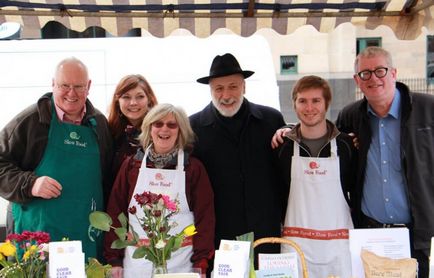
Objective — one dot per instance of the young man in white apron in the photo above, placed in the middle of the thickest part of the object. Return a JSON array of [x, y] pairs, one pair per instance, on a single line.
[[318, 163]]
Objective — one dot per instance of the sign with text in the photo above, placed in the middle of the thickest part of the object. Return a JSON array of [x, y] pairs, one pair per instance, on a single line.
[[286, 262], [393, 243], [276, 273], [66, 260], [232, 259]]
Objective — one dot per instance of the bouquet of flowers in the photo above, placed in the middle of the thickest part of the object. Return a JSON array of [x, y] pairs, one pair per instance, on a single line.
[[155, 221], [30, 252]]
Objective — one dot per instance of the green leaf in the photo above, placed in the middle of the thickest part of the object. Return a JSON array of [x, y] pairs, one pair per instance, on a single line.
[[100, 220], [95, 269], [121, 233], [119, 244], [249, 237], [252, 272], [135, 234], [140, 252], [246, 237], [151, 257], [177, 243], [169, 248], [123, 219]]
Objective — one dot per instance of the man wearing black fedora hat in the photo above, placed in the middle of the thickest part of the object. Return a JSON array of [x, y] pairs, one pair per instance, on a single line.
[[233, 142]]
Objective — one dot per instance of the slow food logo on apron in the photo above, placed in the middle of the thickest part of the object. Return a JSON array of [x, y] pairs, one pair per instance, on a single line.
[[315, 169], [159, 181], [73, 140]]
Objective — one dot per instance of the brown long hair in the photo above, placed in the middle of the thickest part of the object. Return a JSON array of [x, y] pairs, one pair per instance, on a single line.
[[116, 120]]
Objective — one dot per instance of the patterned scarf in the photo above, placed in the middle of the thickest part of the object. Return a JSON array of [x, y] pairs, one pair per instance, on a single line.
[[161, 160]]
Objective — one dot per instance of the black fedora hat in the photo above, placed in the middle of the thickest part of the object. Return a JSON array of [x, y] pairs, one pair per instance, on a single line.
[[222, 66]]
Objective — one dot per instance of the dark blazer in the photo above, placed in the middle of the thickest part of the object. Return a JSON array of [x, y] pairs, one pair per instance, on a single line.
[[242, 169], [417, 157]]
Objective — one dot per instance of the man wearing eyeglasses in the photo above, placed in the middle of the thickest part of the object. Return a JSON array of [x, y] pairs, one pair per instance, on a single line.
[[55, 158], [395, 131]]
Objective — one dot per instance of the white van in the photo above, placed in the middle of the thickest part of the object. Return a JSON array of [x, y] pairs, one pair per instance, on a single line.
[[171, 65]]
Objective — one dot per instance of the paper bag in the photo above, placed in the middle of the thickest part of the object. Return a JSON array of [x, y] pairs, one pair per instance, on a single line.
[[377, 266]]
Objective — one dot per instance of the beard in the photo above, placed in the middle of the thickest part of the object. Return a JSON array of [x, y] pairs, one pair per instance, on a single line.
[[228, 112]]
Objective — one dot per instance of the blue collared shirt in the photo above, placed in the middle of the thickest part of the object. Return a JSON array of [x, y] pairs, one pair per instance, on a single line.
[[384, 191]]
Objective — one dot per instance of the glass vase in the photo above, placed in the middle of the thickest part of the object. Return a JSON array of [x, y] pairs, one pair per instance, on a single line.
[[159, 268]]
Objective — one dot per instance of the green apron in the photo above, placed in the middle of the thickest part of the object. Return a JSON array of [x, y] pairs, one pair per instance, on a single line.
[[72, 158]]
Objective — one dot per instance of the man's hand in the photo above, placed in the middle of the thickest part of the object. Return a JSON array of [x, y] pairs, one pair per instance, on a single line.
[[355, 140], [46, 187], [278, 137]]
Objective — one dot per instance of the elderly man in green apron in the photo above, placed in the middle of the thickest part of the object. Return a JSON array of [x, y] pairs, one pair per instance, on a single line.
[[55, 158]]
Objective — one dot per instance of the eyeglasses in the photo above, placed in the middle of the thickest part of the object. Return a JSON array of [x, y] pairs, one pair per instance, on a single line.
[[365, 75], [160, 124], [77, 88]]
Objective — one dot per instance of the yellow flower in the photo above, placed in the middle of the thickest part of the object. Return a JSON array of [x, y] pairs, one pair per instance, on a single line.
[[26, 255], [190, 230], [32, 250], [8, 249]]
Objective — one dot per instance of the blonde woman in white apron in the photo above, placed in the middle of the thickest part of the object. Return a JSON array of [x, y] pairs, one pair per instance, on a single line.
[[318, 215], [164, 168]]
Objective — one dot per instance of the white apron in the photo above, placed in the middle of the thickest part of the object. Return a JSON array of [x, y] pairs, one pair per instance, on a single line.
[[171, 183], [318, 217]]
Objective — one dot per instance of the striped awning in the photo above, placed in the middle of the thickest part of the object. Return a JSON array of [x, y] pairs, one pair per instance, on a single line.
[[203, 17]]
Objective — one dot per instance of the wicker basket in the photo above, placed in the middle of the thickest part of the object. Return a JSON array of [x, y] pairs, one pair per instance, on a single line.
[[288, 242]]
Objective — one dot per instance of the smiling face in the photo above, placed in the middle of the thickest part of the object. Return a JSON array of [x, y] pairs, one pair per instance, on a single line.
[[164, 133], [227, 93], [71, 88], [376, 90], [134, 105], [310, 107]]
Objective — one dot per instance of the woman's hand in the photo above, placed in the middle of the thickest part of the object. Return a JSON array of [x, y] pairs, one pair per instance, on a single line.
[[117, 272]]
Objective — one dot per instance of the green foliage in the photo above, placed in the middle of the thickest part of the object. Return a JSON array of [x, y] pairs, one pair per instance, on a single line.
[[100, 220], [123, 219], [95, 269], [28, 256], [119, 244], [121, 233], [155, 215], [250, 237], [140, 252]]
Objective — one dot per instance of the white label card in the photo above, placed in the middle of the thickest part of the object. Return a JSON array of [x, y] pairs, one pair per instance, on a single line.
[[393, 243], [232, 259], [66, 260]]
